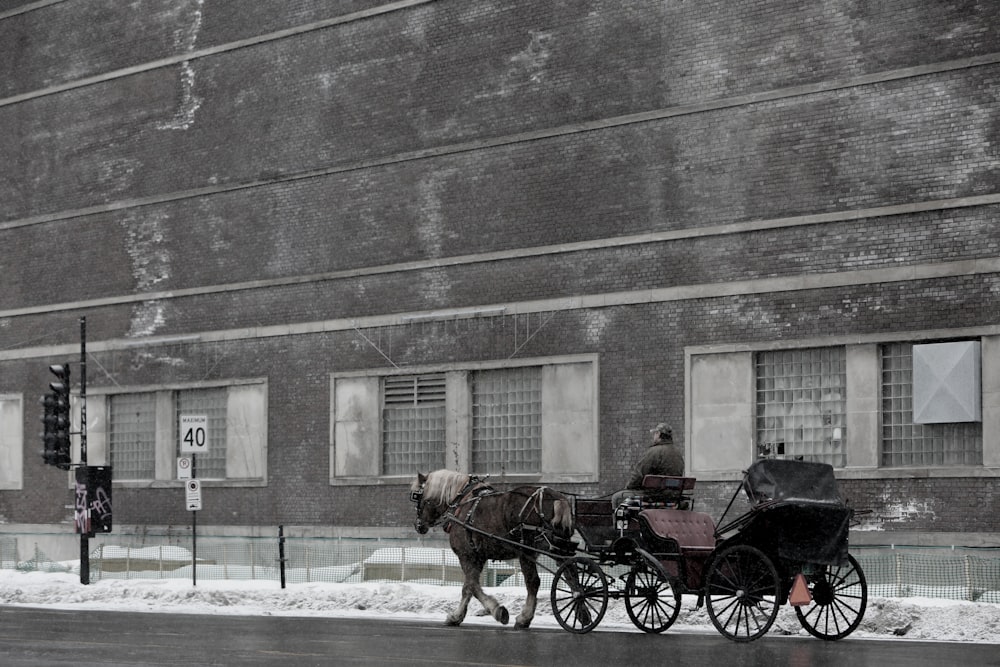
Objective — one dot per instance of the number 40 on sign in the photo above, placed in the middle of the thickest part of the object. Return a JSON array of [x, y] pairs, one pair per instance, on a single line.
[[194, 434]]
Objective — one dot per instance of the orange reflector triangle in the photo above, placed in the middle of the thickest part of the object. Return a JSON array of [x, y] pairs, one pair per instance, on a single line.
[[799, 594]]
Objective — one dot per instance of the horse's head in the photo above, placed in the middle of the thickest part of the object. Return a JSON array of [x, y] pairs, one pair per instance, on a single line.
[[432, 493], [427, 512]]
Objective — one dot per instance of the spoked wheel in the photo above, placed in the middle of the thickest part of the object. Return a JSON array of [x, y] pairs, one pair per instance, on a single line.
[[741, 593], [579, 595], [651, 602], [839, 599]]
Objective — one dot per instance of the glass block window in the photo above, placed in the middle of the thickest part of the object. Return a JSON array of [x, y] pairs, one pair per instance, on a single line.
[[907, 444], [132, 436], [801, 404], [413, 413], [211, 402], [507, 420]]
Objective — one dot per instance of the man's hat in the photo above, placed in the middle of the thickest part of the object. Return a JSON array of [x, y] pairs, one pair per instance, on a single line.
[[662, 428]]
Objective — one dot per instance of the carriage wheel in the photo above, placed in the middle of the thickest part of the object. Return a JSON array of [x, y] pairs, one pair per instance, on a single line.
[[651, 602], [839, 598], [579, 594], [741, 593]]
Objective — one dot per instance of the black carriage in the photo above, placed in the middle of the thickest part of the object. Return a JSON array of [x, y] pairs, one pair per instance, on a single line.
[[790, 547]]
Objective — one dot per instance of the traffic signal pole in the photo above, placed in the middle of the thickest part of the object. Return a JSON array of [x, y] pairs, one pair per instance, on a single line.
[[84, 534]]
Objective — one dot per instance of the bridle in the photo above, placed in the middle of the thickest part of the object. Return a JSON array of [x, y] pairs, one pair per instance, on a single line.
[[417, 498]]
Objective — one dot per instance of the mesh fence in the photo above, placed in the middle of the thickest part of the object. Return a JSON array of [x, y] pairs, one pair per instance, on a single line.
[[955, 573], [960, 573]]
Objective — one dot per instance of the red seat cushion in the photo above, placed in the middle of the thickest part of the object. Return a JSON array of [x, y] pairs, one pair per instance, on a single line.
[[691, 530]]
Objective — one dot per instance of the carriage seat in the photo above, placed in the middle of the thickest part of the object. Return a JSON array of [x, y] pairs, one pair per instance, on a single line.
[[693, 531], [689, 536]]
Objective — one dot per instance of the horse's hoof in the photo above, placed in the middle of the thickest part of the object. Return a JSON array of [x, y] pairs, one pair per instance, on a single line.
[[522, 625], [500, 614], [452, 621]]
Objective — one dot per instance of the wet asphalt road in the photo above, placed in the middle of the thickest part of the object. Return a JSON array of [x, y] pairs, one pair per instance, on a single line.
[[35, 637]]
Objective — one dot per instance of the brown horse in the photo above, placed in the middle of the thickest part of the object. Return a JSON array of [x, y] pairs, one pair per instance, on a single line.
[[474, 515]]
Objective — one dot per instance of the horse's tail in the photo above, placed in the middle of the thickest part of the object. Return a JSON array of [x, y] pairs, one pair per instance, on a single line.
[[562, 517]]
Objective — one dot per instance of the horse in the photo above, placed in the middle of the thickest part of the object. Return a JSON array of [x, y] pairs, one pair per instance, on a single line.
[[474, 515]]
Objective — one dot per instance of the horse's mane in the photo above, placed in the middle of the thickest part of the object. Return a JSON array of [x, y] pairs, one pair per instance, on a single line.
[[443, 485]]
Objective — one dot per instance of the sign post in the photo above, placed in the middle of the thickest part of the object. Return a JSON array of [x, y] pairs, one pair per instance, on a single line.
[[193, 439]]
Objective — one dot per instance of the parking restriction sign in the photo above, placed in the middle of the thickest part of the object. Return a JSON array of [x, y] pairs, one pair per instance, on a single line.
[[193, 495]]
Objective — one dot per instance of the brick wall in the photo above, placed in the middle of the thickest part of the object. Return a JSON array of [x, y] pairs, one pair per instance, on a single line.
[[477, 140]]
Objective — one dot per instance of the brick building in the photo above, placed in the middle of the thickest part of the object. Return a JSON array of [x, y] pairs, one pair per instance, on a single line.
[[370, 237]]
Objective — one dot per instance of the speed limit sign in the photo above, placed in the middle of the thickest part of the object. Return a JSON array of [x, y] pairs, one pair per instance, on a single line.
[[194, 434]]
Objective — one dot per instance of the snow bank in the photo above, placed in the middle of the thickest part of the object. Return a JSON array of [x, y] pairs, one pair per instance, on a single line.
[[910, 618]]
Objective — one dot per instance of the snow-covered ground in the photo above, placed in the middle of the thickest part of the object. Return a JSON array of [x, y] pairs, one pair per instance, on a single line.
[[910, 618]]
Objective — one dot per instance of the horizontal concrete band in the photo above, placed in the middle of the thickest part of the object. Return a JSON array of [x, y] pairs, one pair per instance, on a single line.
[[582, 302], [520, 253], [196, 54]]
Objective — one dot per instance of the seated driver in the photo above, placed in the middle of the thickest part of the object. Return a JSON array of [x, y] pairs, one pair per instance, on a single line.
[[662, 458]]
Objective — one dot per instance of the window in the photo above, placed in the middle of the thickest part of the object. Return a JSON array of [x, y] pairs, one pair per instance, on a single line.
[[413, 423], [507, 420], [132, 435], [211, 403], [905, 443], [138, 435], [801, 404], [11, 442], [535, 419]]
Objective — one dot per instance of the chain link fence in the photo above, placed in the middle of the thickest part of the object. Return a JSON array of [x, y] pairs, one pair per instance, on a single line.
[[959, 573]]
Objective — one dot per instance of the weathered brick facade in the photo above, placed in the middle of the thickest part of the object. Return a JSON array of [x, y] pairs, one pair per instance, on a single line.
[[234, 170]]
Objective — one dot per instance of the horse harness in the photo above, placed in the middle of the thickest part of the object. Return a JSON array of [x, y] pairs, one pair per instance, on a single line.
[[468, 499]]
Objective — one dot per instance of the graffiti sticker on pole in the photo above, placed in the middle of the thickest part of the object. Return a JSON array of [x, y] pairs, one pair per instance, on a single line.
[[194, 434]]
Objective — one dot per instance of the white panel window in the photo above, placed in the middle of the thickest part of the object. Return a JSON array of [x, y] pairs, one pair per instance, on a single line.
[[946, 383], [722, 411], [11, 442]]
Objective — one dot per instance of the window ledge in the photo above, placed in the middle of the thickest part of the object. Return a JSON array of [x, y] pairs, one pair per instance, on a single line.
[[534, 478], [871, 473], [179, 484]]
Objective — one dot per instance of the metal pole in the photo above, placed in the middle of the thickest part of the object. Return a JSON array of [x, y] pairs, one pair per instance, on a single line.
[[84, 534], [194, 527], [281, 553]]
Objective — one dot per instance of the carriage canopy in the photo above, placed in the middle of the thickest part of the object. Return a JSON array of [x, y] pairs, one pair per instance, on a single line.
[[792, 481], [798, 512]]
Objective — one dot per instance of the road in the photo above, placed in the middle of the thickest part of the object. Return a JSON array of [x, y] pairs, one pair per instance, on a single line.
[[32, 637]]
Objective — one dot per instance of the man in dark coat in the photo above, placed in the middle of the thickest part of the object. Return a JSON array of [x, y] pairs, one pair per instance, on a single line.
[[662, 458]]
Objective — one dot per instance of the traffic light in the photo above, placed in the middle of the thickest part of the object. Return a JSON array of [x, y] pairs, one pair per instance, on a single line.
[[55, 417]]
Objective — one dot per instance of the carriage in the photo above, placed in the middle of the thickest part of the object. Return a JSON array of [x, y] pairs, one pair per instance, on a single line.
[[789, 547]]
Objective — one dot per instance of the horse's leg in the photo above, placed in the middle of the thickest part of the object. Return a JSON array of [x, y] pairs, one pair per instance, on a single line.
[[490, 603], [529, 568], [472, 567], [471, 572]]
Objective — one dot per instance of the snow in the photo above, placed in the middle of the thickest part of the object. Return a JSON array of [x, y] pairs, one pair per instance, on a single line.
[[910, 618]]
